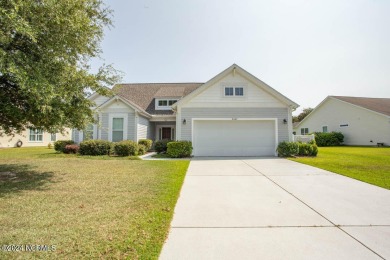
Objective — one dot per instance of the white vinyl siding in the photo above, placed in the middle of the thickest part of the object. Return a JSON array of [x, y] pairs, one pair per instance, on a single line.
[[100, 100], [104, 126], [117, 109], [361, 122], [253, 96], [143, 128]]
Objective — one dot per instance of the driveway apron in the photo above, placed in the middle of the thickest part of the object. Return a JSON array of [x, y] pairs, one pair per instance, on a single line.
[[271, 208]]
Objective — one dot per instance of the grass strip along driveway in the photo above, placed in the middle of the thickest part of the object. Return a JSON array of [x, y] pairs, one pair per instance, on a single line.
[[101, 207], [368, 164]]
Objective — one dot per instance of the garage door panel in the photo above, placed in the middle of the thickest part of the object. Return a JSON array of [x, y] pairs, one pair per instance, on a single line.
[[234, 138]]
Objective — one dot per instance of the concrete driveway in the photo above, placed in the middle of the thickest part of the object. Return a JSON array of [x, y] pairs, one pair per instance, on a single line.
[[271, 208]]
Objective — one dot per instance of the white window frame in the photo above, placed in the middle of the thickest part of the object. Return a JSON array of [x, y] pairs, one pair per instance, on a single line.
[[35, 134], [167, 107], [234, 91], [125, 124], [304, 132], [51, 137], [93, 133], [326, 129]]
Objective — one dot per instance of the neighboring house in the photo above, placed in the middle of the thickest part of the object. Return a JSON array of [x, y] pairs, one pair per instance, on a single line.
[[363, 121], [233, 114], [32, 137]]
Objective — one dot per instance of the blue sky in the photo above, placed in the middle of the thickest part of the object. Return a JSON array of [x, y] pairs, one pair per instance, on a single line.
[[306, 50]]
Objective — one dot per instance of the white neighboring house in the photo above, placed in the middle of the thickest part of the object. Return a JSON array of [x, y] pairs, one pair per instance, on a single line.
[[233, 114], [33, 137], [362, 120]]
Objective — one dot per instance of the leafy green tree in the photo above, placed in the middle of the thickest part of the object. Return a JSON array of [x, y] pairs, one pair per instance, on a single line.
[[302, 115], [45, 50]]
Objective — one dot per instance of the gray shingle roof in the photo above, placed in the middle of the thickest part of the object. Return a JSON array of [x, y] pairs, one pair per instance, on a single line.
[[144, 94], [380, 105]]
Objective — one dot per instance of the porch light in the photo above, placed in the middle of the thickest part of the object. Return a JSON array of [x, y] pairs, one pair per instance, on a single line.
[[184, 121], [285, 121]]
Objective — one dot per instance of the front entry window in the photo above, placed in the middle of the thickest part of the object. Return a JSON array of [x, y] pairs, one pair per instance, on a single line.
[[117, 129]]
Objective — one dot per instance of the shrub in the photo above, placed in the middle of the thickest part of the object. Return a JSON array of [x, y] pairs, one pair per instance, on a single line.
[[179, 149], [142, 149], [147, 143], [287, 149], [59, 145], [71, 148], [315, 150], [49, 146], [307, 149], [95, 147], [329, 139], [161, 145], [126, 148]]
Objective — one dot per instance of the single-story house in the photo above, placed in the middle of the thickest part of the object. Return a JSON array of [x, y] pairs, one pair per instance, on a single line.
[[362, 120], [32, 137], [232, 114]]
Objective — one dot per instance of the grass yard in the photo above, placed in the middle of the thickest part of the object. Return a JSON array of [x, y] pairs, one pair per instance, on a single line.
[[87, 207], [368, 164]]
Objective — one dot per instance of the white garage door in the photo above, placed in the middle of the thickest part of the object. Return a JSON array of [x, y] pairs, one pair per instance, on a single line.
[[234, 138]]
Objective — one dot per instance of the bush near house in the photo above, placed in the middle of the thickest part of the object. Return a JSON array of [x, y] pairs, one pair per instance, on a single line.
[[142, 149], [146, 142], [161, 145], [329, 139], [287, 149], [179, 149], [95, 147], [59, 145], [71, 149], [290, 149], [307, 149], [125, 148]]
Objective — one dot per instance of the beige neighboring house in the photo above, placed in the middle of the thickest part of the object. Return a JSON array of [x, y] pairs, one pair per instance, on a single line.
[[362, 120], [33, 137]]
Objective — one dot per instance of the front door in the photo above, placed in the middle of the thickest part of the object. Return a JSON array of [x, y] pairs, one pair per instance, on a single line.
[[166, 133]]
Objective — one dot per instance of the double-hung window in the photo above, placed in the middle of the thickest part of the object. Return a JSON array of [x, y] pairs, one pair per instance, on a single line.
[[234, 91], [117, 129], [36, 135], [88, 132], [229, 91], [165, 104], [239, 91], [53, 137], [304, 131], [325, 129]]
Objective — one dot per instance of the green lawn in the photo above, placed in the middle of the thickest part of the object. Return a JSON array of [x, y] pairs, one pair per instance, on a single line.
[[368, 164], [87, 207]]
